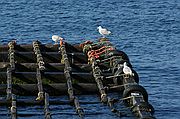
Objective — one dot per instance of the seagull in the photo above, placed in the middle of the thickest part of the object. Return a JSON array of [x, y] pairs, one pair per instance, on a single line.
[[103, 31], [56, 38], [126, 69]]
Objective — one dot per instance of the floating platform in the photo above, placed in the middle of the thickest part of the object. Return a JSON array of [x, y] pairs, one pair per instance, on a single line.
[[45, 70]]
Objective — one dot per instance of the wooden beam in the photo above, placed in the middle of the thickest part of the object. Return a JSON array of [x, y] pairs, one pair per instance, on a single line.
[[51, 89], [49, 57], [44, 47]]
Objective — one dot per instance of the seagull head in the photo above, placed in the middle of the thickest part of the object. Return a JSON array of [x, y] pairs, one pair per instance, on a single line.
[[99, 27], [55, 38], [125, 63]]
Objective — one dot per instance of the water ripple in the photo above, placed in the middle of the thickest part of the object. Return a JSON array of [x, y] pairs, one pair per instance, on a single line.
[[148, 31]]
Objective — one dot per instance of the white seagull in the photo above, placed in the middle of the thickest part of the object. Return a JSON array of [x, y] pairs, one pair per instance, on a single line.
[[56, 38], [103, 31], [126, 69]]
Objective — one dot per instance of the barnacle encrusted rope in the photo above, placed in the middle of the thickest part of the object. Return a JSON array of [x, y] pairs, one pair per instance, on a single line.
[[11, 54], [10, 68], [13, 108], [46, 106], [67, 73], [98, 78], [40, 67]]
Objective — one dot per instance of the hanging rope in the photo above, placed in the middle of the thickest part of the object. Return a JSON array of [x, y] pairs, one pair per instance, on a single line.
[[98, 78], [40, 86], [67, 73], [40, 68], [11, 54], [38, 54], [13, 107], [46, 107], [9, 84]]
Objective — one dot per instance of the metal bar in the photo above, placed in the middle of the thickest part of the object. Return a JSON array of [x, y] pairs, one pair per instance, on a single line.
[[67, 73]]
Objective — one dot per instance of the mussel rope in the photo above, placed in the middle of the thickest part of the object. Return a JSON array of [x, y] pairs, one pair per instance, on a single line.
[[40, 67], [10, 69], [41, 95], [13, 108], [9, 84], [46, 106], [67, 73], [11, 54], [104, 98], [98, 78]]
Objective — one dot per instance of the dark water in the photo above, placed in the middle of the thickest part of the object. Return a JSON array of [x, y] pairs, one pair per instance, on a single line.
[[147, 30]]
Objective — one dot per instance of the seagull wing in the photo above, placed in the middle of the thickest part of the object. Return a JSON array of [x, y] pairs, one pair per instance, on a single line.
[[105, 31], [55, 38], [127, 70]]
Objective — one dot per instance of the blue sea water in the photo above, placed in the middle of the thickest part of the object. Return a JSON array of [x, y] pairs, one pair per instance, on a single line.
[[147, 30]]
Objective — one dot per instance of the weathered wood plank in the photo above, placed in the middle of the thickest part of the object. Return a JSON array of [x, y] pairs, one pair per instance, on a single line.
[[55, 89], [53, 67], [52, 89], [58, 77], [49, 57], [44, 47]]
